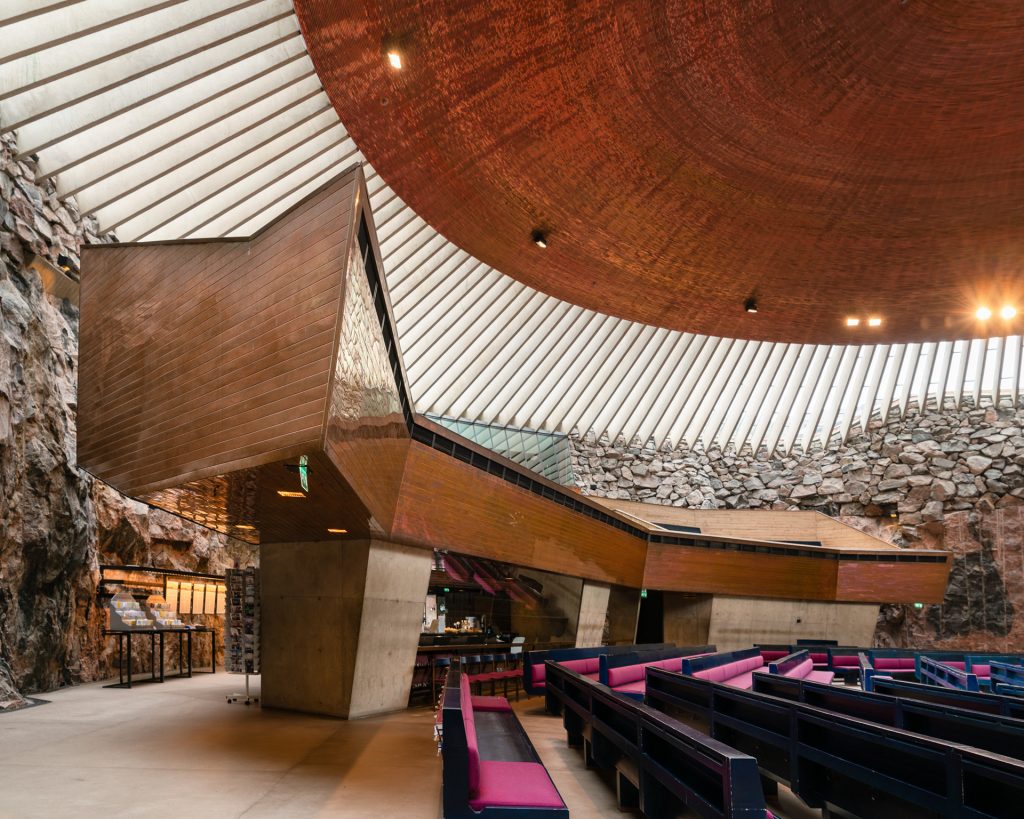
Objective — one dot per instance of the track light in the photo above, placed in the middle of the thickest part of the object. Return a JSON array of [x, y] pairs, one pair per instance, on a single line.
[[750, 305], [540, 238], [983, 313]]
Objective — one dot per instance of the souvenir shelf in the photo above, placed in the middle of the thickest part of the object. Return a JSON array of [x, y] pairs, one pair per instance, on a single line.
[[125, 613]]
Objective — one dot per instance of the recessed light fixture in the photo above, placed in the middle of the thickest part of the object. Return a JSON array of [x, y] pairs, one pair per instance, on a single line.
[[1008, 311], [395, 58], [874, 321], [285, 493], [983, 313], [853, 322], [540, 238], [245, 526], [338, 531], [750, 305]]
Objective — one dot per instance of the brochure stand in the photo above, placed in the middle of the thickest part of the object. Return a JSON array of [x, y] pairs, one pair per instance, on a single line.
[[242, 630]]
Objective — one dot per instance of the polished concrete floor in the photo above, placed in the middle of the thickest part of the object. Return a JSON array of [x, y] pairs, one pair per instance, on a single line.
[[178, 749]]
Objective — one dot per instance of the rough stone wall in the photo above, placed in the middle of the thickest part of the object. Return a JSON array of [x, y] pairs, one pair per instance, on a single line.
[[57, 524], [945, 480]]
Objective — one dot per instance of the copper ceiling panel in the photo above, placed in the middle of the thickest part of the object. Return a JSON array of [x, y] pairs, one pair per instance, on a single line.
[[831, 159]]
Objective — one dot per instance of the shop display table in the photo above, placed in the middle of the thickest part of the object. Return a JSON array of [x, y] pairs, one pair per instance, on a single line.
[[156, 667]]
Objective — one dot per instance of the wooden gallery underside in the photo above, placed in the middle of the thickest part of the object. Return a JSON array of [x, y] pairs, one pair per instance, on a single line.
[[217, 375]]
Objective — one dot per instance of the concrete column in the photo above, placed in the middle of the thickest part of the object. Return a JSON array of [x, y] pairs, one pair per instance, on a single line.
[[341, 623], [623, 610], [593, 613], [739, 622]]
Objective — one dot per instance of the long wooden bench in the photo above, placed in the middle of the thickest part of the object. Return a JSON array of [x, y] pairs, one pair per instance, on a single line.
[[842, 763], [733, 668], [946, 676], [626, 673], [990, 732], [491, 769], [583, 660], [1006, 678], [661, 766], [979, 701], [799, 665]]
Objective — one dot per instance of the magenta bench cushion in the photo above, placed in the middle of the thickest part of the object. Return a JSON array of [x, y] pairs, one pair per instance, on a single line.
[[894, 663], [825, 677], [845, 661], [588, 667], [738, 673], [629, 675], [502, 784], [490, 704], [981, 669], [514, 784], [770, 655]]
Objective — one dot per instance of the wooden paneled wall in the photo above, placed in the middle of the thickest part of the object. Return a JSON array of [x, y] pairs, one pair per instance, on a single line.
[[201, 358]]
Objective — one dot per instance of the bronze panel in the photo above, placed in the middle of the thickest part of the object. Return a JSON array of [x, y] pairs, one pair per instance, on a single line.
[[203, 358]]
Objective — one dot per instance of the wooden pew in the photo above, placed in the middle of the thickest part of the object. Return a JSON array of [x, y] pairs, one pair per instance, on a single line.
[[1007, 678], [491, 770], [661, 765], [946, 676], [972, 700], [842, 763], [989, 732]]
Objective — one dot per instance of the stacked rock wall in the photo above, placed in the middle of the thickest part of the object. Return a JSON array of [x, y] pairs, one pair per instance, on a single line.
[[950, 479], [57, 524]]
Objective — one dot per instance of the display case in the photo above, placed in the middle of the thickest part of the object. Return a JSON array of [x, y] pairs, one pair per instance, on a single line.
[[125, 613], [162, 613]]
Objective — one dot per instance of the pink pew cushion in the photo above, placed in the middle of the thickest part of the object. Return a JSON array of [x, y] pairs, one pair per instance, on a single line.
[[744, 680], [587, 665], [894, 664], [770, 655], [727, 672], [469, 725], [825, 677], [638, 687], [845, 661], [801, 670], [819, 657], [505, 784], [490, 704], [538, 673], [960, 664], [981, 669]]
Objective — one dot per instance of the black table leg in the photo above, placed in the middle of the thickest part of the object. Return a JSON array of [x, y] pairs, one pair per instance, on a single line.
[[181, 654], [190, 654], [120, 659], [161, 656], [129, 638], [213, 657], [152, 655]]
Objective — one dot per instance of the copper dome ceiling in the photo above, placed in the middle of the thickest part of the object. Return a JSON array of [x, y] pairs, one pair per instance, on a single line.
[[830, 159]]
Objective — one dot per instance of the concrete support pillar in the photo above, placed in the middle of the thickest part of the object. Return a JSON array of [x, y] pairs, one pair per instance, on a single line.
[[623, 611], [738, 622], [341, 622], [593, 613]]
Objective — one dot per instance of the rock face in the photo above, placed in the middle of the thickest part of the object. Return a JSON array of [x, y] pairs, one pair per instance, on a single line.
[[57, 524], [950, 479]]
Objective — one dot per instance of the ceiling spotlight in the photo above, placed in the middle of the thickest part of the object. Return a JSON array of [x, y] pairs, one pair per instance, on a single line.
[[983, 313], [1008, 312], [540, 238], [245, 526], [338, 531], [284, 493], [853, 322], [395, 58], [750, 305], [874, 322]]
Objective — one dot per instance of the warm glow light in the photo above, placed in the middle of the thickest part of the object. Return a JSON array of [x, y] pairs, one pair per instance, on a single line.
[[874, 322], [1008, 312], [395, 59], [853, 322], [244, 526], [540, 238], [983, 313], [284, 493], [338, 531]]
